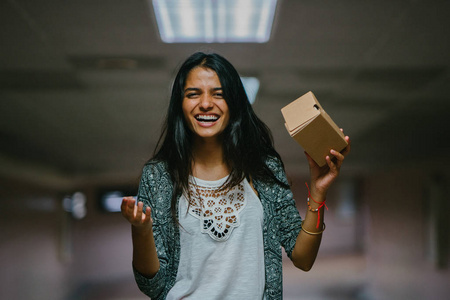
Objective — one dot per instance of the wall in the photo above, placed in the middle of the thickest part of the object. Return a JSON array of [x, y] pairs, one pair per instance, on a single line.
[[399, 250], [45, 254]]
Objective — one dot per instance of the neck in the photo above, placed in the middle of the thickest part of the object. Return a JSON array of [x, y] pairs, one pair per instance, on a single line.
[[209, 162]]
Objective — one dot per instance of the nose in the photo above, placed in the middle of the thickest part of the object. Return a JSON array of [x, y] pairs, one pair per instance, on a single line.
[[206, 102]]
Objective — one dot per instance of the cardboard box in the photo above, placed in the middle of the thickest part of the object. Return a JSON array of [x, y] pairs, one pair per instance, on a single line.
[[309, 124]]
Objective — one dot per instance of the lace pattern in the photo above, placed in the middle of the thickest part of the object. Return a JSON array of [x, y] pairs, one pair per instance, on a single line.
[[218, 210]]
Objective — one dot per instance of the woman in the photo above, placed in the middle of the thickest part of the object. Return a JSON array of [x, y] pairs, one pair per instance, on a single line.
[[214, 207]]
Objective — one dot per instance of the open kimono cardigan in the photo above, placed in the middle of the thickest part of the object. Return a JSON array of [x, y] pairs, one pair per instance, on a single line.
[[282, 224]]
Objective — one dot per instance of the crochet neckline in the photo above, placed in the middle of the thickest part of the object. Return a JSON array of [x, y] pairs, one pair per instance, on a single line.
[[207, 183], [218, 210]]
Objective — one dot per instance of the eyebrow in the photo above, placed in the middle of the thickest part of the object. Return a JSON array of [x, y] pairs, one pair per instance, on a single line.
[[198, 89]]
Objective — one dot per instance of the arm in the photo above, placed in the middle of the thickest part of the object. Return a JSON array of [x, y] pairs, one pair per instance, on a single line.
[[307, 244], [145, 258], [150, 234]]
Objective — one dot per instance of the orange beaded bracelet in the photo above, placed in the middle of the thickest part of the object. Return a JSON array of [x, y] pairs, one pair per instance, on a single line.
[[322, 204]]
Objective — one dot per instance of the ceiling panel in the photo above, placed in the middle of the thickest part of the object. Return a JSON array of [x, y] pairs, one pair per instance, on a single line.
[[84, 84]]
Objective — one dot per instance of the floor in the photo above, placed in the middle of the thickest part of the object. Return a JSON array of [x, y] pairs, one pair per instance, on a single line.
[[333, 277]]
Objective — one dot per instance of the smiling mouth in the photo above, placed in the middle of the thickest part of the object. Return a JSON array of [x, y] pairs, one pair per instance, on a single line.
[[207, 118]]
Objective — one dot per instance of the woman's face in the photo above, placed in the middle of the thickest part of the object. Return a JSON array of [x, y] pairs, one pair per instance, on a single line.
[[204, 108]]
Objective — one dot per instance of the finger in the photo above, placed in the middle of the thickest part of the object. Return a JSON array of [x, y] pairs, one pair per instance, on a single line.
[[339, 156], [330, 163], [148, 216], [138, 211], [123, 206], [332, 169], [347, 149], [311, 161], [127, 206]]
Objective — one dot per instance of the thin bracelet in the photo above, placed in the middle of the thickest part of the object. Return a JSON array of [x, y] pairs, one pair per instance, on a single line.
[[310, 208], [322, 204], [314, 233]]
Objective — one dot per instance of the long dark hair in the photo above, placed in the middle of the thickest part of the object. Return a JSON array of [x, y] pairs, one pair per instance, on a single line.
[[247, 141]]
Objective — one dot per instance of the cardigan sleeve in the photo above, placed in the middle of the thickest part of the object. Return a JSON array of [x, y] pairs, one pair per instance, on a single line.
[[289, 218], [153, 192]]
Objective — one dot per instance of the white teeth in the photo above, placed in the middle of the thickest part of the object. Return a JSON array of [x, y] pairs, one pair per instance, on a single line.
[[207, 118]]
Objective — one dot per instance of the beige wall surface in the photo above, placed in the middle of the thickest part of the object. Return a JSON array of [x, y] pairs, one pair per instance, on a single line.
[[383, 248]]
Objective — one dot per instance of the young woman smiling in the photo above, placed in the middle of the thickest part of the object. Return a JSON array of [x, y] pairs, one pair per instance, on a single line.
[[214, 207]]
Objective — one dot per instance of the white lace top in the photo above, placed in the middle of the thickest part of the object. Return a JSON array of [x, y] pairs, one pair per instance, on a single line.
[[221, 240]]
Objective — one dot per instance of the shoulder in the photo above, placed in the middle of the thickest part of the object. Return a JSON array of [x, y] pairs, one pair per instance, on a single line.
[[156, 185], [274, 163], [155, 168], [276, 166], [269, 185], [155, 174]]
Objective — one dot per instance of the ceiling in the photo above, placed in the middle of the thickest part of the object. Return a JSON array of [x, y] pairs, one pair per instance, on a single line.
[[84, 84]]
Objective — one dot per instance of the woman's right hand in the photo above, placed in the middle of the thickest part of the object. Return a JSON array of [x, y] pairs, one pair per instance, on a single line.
[[135, 215], [145, 257]]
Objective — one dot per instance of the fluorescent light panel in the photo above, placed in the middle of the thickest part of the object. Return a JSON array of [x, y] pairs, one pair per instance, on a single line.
[[251, 86], [214, 21], [111, 201]]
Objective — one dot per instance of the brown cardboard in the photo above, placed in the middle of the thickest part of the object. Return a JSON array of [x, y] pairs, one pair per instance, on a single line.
[[309, 124]]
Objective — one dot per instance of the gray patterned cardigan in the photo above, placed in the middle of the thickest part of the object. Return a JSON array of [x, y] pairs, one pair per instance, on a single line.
[[282, 223]]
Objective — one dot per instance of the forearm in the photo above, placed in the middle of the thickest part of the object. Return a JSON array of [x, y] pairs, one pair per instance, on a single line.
[[308, 240], [145, 258]]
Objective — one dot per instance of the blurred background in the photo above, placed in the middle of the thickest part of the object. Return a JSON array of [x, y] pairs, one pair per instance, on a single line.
[[84, 86]]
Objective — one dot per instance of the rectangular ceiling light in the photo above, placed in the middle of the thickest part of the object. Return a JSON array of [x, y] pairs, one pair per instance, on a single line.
[[214, 21], [251, 86]]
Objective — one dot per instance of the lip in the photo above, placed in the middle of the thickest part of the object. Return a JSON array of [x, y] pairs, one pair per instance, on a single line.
[[206, 123]]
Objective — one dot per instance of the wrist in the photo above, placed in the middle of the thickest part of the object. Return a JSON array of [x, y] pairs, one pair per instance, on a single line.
[[317, 197], [315, 205], [141, 230], [315, 194]]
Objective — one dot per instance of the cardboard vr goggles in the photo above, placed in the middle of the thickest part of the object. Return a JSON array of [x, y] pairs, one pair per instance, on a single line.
[[309, 124]]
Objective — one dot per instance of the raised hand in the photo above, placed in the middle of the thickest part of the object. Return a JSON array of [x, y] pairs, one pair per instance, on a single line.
[[135, 214], [323, 177], [145, 257]]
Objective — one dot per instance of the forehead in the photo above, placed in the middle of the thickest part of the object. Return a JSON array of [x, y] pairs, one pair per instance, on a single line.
[[202, 76]]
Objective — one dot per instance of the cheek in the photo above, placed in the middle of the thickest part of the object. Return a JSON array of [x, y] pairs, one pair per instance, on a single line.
[[226, 112], [186, 109], [227, 120], [186, 114]]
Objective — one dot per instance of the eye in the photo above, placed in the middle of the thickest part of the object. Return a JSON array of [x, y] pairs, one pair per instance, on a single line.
[[191, 95]]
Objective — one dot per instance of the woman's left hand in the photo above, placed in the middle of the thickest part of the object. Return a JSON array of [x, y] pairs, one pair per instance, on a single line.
[[323, 177]]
